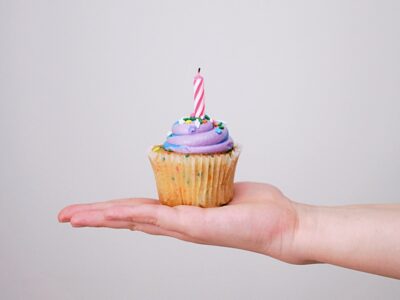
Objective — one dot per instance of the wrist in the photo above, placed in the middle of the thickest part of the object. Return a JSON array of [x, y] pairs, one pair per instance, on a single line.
[[304, 236]]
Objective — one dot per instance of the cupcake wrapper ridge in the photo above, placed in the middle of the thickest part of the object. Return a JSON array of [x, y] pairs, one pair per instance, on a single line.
[[204, 180]]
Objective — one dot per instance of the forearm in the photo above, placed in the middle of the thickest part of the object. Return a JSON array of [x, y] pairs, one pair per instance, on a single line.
[[360, 237]]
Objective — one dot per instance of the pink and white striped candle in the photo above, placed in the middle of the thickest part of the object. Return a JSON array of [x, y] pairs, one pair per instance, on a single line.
[[199, 104]]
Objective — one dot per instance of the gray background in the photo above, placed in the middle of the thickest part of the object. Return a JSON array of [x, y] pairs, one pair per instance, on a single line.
[[309, 88]]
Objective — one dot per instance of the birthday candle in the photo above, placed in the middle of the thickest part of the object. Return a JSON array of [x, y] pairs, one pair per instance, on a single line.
[[199, 104]]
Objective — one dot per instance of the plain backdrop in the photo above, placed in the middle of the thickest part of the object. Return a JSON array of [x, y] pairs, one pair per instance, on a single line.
[[310, 89]]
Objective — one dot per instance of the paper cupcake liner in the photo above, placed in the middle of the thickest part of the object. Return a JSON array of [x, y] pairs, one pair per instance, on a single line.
[[204, 180]]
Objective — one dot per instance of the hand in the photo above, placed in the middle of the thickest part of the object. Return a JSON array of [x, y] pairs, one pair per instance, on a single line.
[[259, 218]]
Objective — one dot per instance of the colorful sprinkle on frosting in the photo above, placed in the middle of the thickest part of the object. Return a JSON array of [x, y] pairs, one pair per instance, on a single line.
[[198, 135]]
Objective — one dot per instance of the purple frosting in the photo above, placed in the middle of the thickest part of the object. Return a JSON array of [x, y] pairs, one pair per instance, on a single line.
[[203, 138]]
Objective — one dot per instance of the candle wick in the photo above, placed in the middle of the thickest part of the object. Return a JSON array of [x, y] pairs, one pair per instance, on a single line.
[[198, 71]]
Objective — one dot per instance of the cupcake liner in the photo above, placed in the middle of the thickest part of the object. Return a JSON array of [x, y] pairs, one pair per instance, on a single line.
[[204, 180]]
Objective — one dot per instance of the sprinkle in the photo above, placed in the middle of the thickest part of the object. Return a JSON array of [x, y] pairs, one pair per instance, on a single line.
[[218, 130], [197, 123], [207, 117], [169, 133], [221, 126], [156, 148], [192, 118], [204, 121], [192, 129], [188, 121]]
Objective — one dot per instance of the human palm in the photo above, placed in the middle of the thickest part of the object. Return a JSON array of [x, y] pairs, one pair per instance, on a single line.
[[259, 218]]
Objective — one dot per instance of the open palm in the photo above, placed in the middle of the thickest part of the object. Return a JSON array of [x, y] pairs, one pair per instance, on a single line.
[[259, 218]]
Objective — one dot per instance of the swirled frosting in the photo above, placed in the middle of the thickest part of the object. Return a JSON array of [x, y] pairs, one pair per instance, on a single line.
[[198, 135]]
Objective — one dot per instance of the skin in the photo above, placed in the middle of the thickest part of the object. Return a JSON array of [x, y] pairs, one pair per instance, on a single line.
[[261, 219]]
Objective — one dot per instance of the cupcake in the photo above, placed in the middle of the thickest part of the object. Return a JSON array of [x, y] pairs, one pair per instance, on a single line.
[[196, 164]]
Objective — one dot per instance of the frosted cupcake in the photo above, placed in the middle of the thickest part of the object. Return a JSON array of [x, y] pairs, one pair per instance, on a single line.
[[196, 164]]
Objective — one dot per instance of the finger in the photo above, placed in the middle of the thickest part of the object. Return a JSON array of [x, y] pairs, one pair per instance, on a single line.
[[151, 219], [156, 230], [66, 213], [145, 214], [189, 221], [96, 219]]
